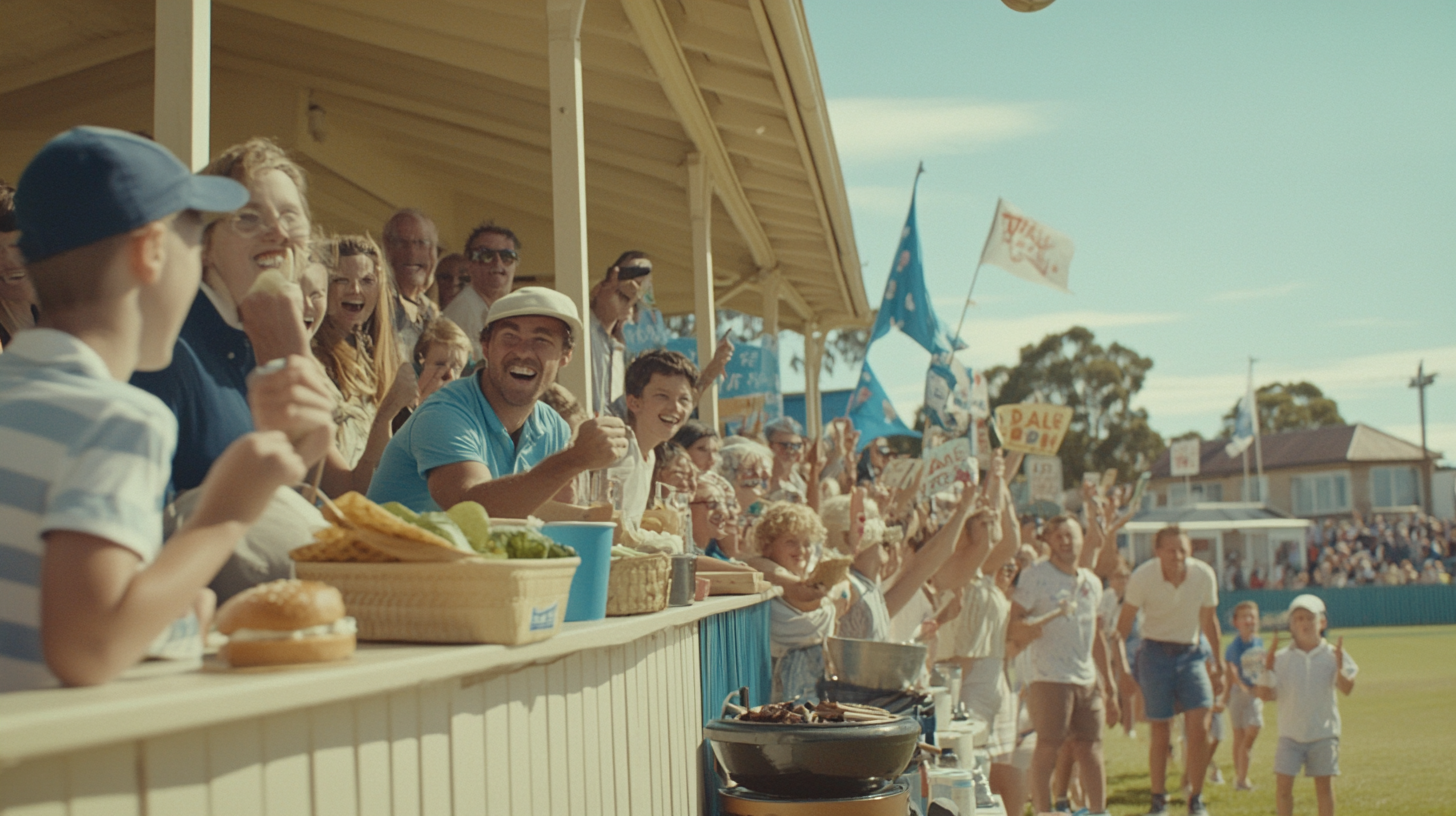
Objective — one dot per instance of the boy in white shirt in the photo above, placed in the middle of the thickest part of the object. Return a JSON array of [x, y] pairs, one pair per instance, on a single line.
[[1303, 678]]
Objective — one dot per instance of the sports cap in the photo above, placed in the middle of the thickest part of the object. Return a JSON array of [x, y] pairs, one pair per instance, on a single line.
[[536, 301], [1311, 603], [91, 183]]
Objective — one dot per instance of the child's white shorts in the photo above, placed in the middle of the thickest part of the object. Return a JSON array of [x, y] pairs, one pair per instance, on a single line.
[[1318, 758]]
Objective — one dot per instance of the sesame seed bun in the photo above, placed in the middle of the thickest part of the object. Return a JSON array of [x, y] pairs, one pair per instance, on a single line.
[[281, 606], [285, 606]]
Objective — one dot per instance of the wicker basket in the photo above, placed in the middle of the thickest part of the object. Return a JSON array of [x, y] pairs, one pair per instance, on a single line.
[[485, 601], [639, 585]]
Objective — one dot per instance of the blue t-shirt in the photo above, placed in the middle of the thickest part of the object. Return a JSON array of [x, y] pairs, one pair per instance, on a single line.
[[207, 390], [457, 424], [1234, 656]]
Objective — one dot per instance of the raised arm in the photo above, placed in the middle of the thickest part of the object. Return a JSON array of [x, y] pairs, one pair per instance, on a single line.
[[931, 557], [599, 442]]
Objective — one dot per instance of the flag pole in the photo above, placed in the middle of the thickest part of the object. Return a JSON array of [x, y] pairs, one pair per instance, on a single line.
[[1258, 448], [976, 274]]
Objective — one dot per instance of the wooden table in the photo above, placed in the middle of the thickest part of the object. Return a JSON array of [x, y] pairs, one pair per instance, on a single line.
[[606, 717]]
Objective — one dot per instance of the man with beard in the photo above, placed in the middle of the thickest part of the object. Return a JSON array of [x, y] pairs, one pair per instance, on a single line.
[[411, 246], [488, 438]]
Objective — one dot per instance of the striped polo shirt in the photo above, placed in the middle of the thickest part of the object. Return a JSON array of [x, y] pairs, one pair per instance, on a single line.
[[78, 451]]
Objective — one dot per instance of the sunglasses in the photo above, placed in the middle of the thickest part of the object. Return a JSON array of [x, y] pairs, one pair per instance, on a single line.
[[752, 483], [791, 447], [482, 256]]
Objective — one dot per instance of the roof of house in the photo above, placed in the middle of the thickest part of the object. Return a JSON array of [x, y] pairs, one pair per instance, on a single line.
[[1294, 449]]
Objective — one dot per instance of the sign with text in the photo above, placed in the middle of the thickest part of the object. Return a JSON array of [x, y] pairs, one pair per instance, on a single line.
[[900, 473], [983, 443], [754, 370], [945, 464], [1044, 478], [1033, 427], [1183, 457]]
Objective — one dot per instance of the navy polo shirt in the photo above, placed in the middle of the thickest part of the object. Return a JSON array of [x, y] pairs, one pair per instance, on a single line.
[[206, 388]]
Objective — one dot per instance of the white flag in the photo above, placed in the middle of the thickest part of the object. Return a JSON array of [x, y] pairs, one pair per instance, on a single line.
[[1028, 249], [1243, 427]]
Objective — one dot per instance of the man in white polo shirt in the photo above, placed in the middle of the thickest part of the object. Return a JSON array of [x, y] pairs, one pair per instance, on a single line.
[[1054, 609], [1178, 596]]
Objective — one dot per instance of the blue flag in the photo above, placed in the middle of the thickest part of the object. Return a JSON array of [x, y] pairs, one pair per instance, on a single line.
[[873, 414], [906, 304]]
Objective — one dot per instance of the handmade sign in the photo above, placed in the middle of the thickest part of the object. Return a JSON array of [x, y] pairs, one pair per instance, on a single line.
[[1033, 427], [1044, 478], [946, 464], [900, 473]]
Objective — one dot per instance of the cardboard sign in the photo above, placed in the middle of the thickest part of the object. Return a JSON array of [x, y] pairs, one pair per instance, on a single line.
[[1033, 427], [1183, 456], [944, 464], [1044, 478], [900, 473]]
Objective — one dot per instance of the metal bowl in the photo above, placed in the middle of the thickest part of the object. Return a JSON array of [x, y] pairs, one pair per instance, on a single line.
[[873, 665], [818, 761]]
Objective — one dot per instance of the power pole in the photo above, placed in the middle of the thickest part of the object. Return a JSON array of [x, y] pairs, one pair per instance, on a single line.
[[1422, 379]]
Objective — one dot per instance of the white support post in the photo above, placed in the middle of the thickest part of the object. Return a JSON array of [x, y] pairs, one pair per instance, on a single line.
[[1218, 567], [770, 281], [700, 210], [568, 181], [182, 79], [813, 361]]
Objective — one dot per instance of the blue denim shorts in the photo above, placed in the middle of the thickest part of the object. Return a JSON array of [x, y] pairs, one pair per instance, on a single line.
[[1172, 678]]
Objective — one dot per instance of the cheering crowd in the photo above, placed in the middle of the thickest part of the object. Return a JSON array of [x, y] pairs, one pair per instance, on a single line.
[[182, 353]]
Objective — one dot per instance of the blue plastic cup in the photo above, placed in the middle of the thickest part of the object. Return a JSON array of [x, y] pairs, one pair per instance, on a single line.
[[592, 540]]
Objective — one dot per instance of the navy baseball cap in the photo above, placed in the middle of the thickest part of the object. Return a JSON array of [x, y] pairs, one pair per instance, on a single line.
[[91, 183]]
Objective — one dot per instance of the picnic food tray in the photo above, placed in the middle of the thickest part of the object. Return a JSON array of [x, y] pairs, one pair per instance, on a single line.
[[504, 601]]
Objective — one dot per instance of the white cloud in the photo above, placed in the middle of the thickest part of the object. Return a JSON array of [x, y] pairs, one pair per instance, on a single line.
[[1262, 293], [998, 341], [1200, 400], [868, 128]]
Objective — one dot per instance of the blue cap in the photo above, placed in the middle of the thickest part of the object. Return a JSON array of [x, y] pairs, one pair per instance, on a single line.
[[91, 183]]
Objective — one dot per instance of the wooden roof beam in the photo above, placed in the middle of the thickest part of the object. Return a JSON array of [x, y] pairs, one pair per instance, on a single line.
[[70, 60], [663, 50]]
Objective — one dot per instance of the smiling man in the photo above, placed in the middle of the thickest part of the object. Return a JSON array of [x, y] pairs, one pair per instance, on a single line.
[[488, 438], [411, 243], [494, 254]]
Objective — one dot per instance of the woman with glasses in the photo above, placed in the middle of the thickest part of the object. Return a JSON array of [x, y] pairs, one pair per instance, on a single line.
[[232, 328], [359, 349], [786, 439], [747, 466]]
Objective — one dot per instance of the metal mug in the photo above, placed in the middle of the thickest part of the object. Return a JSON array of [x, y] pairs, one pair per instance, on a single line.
[[684, 580]]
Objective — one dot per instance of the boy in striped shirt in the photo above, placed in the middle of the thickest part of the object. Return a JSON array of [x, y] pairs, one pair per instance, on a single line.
[[111, 227]]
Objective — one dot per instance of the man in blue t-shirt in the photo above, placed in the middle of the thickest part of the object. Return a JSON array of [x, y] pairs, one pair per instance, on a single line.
[[488, 438]]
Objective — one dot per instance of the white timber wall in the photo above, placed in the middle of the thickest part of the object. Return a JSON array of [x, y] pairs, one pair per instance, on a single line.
[[607, 730]]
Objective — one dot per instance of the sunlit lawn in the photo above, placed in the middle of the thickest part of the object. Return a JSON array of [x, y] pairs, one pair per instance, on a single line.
[[1396, 753]]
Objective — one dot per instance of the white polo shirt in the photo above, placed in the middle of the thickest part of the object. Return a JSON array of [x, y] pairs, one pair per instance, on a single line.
[[1171, 614], [1304, 684]]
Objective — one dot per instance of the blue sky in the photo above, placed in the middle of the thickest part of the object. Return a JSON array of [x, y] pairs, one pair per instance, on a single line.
[[1266, 179]]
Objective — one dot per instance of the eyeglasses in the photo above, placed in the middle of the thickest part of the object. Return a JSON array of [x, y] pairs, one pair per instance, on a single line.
[[249, 223], [791, 447], [752, 483], [482, 256]]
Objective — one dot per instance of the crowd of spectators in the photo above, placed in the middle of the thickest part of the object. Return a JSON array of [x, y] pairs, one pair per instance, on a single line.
[[1386, 550]]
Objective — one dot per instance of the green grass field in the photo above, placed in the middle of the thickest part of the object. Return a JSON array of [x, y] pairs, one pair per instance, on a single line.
[[1396, 750]]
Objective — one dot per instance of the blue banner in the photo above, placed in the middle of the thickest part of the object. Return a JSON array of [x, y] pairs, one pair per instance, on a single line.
[[906, 303], [873, 414]]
